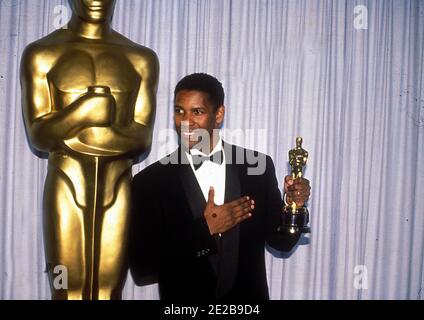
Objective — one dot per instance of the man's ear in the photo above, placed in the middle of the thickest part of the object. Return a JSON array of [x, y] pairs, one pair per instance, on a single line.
[[219, 116]]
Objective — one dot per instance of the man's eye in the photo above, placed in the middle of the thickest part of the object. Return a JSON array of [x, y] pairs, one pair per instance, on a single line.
[[197, 112], [179, 111]]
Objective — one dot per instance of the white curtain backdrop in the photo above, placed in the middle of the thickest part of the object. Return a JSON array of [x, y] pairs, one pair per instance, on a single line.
[[348, 76]]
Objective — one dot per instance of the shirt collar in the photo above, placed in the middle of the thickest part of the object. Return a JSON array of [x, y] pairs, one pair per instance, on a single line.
[[218, 147]]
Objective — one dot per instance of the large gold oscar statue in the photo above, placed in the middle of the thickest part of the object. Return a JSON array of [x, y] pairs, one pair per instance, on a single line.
[[89, 101]]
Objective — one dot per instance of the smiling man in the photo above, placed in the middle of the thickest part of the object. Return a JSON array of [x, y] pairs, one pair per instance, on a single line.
[[200, 224]]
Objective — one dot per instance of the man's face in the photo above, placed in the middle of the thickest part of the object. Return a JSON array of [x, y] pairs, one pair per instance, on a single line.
[[93, 11], [194, 111]]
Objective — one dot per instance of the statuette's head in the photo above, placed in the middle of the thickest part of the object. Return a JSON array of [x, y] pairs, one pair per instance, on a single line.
[[299, 141], [93, 11], [298, 158]]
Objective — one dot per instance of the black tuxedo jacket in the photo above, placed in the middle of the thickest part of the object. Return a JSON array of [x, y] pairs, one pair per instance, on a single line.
[[169, 236]]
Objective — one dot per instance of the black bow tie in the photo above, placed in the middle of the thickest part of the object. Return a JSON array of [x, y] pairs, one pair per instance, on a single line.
[[198, 159]]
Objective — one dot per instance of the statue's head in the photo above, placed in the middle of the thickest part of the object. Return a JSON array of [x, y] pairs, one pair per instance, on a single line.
[[93, 11], [299, 141]]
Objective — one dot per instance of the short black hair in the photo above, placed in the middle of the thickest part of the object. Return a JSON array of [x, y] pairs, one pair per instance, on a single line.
[[205, 83]]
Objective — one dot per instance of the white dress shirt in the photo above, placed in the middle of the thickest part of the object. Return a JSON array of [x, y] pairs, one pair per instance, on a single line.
[[210, 174]]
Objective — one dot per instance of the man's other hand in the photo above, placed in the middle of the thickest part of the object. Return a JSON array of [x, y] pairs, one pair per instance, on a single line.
[[297, 190], [224, 217]]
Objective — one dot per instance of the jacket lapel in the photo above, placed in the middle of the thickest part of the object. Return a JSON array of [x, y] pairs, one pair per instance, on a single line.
[[191, 187], [195, 198], [225, 263], [232, 179], [229, 246]]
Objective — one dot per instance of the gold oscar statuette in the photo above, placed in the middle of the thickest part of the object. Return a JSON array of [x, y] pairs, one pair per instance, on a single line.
[[89, 99], [295, 219]]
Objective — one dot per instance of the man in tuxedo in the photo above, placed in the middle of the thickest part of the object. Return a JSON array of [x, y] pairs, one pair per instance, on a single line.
[[202, 215]]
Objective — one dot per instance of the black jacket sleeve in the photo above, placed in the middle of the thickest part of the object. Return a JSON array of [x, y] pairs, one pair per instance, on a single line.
[[279, 240], [144, 233]]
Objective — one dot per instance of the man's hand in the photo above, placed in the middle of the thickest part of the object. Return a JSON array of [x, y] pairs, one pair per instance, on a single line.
[[224, 217], [297, 190]]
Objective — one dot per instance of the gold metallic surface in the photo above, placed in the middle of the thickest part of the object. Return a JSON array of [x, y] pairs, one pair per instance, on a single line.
[[294, 218], [297, 159], [89, 101]]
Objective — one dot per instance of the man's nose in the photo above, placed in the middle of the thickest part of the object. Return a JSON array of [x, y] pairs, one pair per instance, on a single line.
[[188, 119], [185, 125]]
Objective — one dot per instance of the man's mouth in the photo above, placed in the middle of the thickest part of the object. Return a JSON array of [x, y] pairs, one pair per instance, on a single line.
[[187, 133]]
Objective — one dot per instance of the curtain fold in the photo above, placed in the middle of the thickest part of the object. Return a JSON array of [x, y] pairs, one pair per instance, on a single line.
[[289, 68]]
